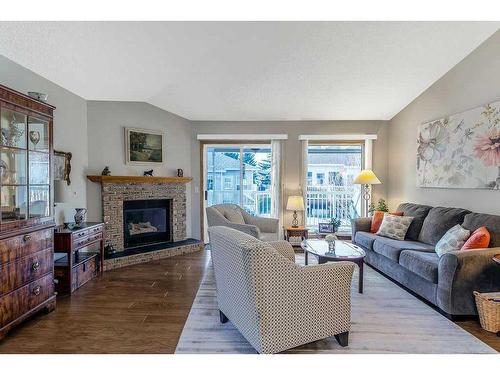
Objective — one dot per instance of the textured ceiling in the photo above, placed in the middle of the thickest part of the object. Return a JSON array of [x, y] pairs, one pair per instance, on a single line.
[[247, 70]]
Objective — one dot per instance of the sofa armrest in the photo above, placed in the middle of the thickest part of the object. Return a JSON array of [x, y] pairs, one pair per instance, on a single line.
[[463, 272], [284, 248], [361, 224]]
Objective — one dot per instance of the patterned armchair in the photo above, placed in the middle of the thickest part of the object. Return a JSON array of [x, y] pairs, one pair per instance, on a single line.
[[275, 303], [233, 216]]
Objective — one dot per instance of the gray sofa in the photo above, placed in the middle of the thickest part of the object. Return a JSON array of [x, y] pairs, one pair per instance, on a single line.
[[446, 282]]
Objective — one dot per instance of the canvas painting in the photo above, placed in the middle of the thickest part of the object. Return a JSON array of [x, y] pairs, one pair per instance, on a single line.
[[461, 151], [143, 146]]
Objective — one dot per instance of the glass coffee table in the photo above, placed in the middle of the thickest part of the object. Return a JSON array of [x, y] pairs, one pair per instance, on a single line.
[[344, 251]]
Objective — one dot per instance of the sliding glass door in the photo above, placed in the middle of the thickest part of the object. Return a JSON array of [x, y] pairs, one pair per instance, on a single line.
[[330, 192], [239, 174]]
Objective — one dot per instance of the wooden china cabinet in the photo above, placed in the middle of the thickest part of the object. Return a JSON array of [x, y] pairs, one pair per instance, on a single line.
[[26, 217]]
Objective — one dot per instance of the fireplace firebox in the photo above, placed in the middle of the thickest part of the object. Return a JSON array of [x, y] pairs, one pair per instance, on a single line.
[[146, 222]]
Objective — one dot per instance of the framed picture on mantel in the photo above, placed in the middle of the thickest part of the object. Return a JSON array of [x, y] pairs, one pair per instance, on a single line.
[[143, 146]]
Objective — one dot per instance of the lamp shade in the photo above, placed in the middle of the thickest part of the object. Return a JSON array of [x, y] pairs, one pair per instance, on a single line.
[[295, 203], [366, 177]]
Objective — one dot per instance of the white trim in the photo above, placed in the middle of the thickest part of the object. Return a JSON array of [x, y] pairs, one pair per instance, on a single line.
[[240, 137], [368, 154], [337, 137]]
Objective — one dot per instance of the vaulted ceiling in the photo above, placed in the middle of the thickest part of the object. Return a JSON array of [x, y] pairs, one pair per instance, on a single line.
[[247, 70]]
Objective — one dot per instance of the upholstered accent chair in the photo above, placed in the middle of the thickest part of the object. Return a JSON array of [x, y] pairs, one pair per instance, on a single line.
[[233, 216], [275, 303]]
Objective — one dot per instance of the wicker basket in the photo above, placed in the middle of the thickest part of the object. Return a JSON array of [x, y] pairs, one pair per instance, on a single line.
[[488, 306]]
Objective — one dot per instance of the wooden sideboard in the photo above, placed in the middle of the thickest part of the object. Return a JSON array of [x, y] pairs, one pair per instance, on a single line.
[[83, 249], [26, 210]]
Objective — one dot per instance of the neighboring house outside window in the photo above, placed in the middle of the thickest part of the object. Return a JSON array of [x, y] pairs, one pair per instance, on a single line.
[[320, 177], [309, 178], [228, 183]]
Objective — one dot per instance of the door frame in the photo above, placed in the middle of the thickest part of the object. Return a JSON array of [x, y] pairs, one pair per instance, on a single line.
[[203, 169]]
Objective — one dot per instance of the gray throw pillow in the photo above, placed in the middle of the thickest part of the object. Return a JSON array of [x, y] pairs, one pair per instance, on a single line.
[[234, 216], [452, 240], [394, 226]]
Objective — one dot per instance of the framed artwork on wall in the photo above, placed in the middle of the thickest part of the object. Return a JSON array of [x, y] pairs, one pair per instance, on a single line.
[[62, 166], [143, 147], [461, 150]]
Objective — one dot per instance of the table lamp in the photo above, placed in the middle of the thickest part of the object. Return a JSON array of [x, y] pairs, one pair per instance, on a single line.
[[295, 203], [366, 178]]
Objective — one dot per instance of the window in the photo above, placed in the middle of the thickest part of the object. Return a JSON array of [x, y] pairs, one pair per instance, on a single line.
[[210, 183], [228, 182], [332, 194]]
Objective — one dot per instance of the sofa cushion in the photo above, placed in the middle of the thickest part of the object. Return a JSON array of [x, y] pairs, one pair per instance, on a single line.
[[392, 248], [439, 221], [234, 216], [453, 240], [479, 239], [418, 212], [365, 239], [378, 217], [394, 226], [424, 264], [474, 221]]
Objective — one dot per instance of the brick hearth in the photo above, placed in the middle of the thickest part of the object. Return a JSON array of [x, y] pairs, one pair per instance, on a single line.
[[114, 193]]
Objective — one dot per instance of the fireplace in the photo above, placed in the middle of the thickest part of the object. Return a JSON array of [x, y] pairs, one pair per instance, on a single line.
[[146, 222]]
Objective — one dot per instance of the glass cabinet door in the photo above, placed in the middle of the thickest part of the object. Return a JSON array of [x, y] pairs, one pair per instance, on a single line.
[[38, 167], [24, 166], [13, 203], [13, 129], [38, 134]]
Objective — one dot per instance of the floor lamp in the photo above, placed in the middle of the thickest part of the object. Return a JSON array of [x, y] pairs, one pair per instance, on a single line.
[[366, 178]]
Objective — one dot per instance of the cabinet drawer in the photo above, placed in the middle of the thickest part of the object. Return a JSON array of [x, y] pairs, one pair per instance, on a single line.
[[85, 272], [24, 299], [24, 270], [79, 242], [80, 234], [95, 230], [25, 244]]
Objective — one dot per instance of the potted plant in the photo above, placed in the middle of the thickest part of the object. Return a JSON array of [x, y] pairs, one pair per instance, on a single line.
[[381, 206], [335, 224]]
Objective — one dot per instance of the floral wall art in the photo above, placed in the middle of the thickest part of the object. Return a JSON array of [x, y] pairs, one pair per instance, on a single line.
[[461, 151]]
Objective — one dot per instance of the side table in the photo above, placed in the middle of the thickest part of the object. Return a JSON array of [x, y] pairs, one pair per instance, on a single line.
[[300, 232]]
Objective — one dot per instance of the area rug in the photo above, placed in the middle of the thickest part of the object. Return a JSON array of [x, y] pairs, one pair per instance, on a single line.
[[385, 319]]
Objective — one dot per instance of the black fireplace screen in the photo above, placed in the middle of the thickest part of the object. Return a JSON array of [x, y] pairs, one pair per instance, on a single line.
[[146, 222]]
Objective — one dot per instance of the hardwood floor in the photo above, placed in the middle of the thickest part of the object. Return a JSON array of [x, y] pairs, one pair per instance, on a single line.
[[137, 309]]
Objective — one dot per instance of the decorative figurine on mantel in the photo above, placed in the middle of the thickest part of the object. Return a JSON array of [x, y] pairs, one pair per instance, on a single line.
[[106, 172], [180, 173], [148, 173]]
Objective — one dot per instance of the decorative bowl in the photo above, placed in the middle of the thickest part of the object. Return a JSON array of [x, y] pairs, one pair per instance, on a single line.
[[38, 96]]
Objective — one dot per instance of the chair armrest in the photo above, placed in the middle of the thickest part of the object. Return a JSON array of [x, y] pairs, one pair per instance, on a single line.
[[265, 224], [361, 224], [252, 230], [463, 272], [284, 248]]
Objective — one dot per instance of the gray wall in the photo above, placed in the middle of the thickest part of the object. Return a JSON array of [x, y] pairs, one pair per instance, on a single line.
[[70, 129], [473, 82], [106, 140], [292, 153]]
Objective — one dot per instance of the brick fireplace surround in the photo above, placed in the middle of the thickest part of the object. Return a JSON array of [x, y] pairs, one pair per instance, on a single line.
[[113, 195], [115, 190]]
